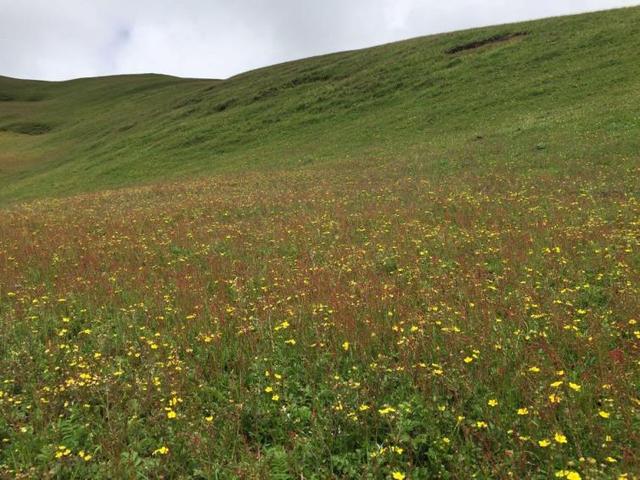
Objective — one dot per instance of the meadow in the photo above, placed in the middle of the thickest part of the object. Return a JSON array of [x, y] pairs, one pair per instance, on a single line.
[[376, 324], [456, 299]]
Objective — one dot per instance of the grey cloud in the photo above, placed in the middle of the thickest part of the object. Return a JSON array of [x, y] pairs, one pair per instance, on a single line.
[[60, 39]]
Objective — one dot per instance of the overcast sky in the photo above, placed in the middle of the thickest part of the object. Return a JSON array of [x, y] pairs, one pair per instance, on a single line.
[[62, 39]]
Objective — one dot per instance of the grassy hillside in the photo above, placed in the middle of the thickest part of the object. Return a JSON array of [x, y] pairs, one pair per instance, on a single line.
[[398, 263], [571, 85]]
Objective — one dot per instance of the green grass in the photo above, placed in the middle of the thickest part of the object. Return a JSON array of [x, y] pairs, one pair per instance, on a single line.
[[567, 91], [385, 264]]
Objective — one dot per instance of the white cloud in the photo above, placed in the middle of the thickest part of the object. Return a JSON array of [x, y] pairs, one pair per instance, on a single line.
[[60, 39]]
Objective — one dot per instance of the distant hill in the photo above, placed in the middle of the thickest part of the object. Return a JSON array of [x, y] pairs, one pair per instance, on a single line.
[[539, 91]]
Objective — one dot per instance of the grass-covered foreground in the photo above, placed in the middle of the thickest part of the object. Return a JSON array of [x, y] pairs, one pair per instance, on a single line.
[[427, 269], [367, 323]]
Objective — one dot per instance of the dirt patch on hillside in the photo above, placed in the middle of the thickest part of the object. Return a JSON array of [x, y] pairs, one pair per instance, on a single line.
[[504, 37]]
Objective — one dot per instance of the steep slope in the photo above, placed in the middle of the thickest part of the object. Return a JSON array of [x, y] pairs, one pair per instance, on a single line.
[[563, 88]]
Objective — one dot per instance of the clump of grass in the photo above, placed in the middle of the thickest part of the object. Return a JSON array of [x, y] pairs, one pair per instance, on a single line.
[[27, 128]]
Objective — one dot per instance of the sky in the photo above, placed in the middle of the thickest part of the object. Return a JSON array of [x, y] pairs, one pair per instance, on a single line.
[[63, 39]]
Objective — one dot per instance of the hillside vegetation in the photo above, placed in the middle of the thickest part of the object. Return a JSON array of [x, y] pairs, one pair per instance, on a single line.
[[416, 261], [571, 85]]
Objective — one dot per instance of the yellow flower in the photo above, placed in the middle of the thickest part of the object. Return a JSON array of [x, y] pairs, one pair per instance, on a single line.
[[481, 424], [171, 414], [560, 438], [291, 341], [523, 411], [345, 346], [534, 370], [493, 402], [604, 414], [568, 474], [284, 325], [553, 398], [275, 398], [544, 443], [397, 475], [63, 452], [556, 384], [84, 456], [161, 451], [575, 386], [468, 359], [268, 389], [386, 410]]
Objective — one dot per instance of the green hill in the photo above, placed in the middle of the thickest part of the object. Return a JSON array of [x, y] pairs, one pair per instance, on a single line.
[[562, 89]]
